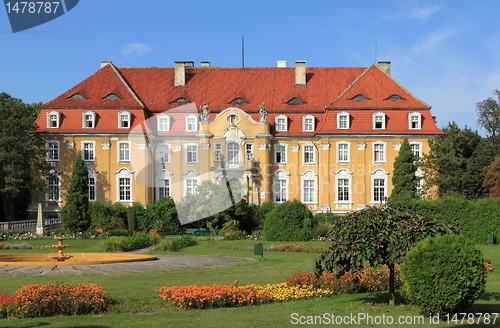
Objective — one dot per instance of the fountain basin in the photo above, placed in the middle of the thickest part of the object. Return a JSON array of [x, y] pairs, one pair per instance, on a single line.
[[44, 259]]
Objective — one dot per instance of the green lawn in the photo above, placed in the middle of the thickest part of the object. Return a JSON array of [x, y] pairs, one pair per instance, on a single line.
[[143, 308]]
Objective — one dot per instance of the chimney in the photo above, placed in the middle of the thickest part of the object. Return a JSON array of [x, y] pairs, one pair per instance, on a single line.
[[281, 63], [300, 72], [385, 67], [180, 73], [104, 63], [205, 64]]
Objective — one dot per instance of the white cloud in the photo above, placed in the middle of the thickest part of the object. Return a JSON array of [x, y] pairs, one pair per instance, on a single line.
[[135, 50], [434, 40], [424, 13]]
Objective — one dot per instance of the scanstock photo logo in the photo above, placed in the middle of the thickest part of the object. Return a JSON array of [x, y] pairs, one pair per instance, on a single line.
[[24, 15]]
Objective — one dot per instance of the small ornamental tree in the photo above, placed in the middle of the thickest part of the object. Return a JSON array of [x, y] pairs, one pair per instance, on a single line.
[[75, 215], [404, 179], [378, 236]]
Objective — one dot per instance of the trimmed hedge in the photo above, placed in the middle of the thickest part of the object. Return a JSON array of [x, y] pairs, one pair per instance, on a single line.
[[290, 221], [443, 274], [475, 218]]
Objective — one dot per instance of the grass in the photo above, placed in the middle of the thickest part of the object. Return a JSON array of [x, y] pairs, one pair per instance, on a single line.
[[141, 306]]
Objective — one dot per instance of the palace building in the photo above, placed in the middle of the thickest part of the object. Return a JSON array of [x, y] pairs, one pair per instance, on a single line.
[[327, 136]]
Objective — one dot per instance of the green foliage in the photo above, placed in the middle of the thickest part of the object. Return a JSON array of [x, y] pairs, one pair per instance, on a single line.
[[172, 245], [75, 214], [99, 214], [444, 274], [488, 112], [22, 157], [404, 179], [330, 217], [118, 232], [123, 244], [161, 215], [455, 162], [378, 236], [290, 221], [131, 220], [475, 218]]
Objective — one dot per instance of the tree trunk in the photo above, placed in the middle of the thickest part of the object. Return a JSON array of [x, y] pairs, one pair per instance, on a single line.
[[392, 296]]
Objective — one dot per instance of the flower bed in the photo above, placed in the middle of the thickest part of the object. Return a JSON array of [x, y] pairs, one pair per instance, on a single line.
[[53, 299]]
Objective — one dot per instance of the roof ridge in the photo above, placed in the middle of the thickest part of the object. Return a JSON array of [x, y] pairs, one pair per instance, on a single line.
[[118, 73], [351, 85]]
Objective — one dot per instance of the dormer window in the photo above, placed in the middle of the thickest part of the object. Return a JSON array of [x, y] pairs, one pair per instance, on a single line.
[[378, 121], [191, 123], [343, 120], [238, 101], [181, 101], [395, 98], [88, 120], [53, 119], [415, 121], [359, 97], [112, 96], [124, 120], [76, 96], [163, 122], [295, 101], [308, 123], [281, 123]]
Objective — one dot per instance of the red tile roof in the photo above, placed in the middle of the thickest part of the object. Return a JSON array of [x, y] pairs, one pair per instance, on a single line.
[[148, 91]]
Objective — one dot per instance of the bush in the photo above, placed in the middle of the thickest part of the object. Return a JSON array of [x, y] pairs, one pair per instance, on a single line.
[[118, 233], [443, 274], [290, 221], [171, 245], [54, 299], [160, 215], [123, 244]]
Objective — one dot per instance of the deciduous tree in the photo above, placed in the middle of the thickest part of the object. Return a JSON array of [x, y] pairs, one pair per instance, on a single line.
[[488, 116], [492, 178], [22, 157], [377, 236]]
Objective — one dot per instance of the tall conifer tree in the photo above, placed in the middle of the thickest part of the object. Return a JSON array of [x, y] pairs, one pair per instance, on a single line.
[[404, 180], [75, 214]]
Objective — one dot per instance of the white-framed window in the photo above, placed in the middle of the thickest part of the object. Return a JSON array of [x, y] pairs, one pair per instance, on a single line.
[[416, 148], [191, 123], [378, 119], [420, 183], [124, 187], [343, 120], [163, 184], [91, 184], [379, 179], [163, 153], [52, 149], [88, 150], [308, 123], [163, 122], [218, 151], [249, 152], [124, 120], [191, 153], [308, 154], [343, 152], [53, 182], [88, 119], [191, 182], [124, 151], [281, 123], [415, 121], [379, 153], [233, 153], [280, 186], [309, 182], [343, 192], [280, 154], [53, 119]]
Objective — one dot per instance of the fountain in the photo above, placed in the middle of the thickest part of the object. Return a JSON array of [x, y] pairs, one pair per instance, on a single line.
[[60, 255]]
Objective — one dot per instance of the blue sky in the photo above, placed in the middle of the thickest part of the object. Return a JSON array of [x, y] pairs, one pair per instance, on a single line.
[[447, 53]]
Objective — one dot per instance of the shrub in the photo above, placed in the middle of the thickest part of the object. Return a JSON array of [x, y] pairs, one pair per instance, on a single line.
[[53, 299], [118, 232], [290, 221], [171, 245], [444, 274], [160, 215], [123, 244]]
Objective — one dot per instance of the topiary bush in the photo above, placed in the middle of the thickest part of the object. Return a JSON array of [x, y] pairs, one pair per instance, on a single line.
[[443, 274], [290, 221]]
